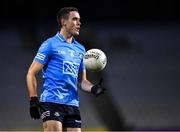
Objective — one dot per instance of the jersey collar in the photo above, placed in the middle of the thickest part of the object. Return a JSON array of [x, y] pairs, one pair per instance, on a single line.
[[61, 38]]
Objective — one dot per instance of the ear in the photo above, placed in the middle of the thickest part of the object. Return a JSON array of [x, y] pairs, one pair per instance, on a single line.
[[63, 22]]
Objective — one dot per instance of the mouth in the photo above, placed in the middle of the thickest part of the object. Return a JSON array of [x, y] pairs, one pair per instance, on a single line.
[[78, 29]]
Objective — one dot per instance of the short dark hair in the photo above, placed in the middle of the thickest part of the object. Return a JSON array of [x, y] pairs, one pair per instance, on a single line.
[[64, 13]]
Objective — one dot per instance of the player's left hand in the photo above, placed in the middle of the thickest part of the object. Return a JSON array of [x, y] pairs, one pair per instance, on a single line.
[[97, 89]]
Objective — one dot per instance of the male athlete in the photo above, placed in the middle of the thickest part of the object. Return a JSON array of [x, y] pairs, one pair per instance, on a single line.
[[61, 60]]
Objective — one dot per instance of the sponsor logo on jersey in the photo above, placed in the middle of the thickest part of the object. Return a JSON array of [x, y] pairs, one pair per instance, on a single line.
[[70, 68]]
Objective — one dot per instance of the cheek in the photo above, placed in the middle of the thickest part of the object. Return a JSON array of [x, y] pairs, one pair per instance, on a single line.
[[69, 27], [72, 25]]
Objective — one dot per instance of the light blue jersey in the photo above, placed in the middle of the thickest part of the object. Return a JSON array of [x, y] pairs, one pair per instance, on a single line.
[[62, 62]]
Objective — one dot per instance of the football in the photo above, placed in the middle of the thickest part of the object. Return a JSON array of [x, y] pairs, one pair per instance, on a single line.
[[95, 60]]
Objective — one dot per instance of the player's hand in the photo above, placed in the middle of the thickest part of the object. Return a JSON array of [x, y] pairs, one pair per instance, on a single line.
[[35, 108], [97, 89]]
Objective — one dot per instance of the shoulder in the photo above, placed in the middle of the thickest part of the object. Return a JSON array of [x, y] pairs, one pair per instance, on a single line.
[[52, 39], [49, 41], [47, 44]]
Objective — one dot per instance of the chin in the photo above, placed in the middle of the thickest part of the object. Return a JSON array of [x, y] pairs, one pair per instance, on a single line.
[[76, 33]]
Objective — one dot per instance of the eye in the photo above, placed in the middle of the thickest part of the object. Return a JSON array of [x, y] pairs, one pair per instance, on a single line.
[[75, 19]]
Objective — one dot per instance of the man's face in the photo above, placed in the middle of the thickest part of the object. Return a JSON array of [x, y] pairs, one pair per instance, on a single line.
[[72, 24]]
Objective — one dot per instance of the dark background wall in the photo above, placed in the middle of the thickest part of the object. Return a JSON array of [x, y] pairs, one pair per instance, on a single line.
[[91, 11], [141, 40]]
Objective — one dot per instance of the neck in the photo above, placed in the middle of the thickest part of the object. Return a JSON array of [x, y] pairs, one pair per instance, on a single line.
[[68, 37]]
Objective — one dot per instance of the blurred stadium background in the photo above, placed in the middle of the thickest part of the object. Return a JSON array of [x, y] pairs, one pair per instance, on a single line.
[[141, 41]]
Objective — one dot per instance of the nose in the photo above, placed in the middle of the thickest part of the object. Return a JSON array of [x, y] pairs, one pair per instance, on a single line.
[[79, 23]]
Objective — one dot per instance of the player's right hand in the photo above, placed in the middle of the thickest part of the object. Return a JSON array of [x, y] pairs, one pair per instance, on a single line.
[[98, 89], [35, 108]]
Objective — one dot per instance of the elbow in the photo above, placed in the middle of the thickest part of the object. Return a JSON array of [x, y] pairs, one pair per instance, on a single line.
[[29, 74]]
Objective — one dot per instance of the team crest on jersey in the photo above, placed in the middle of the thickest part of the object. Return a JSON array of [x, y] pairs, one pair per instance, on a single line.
[[70, 68], [71, 52]]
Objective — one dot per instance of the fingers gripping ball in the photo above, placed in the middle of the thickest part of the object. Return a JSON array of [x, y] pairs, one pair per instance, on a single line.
[[95, 60]]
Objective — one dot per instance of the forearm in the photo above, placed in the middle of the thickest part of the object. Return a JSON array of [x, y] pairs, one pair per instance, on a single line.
[[86, 85], [32, 85]]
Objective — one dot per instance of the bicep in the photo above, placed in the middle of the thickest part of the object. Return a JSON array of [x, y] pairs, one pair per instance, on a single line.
[[35, 67]]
